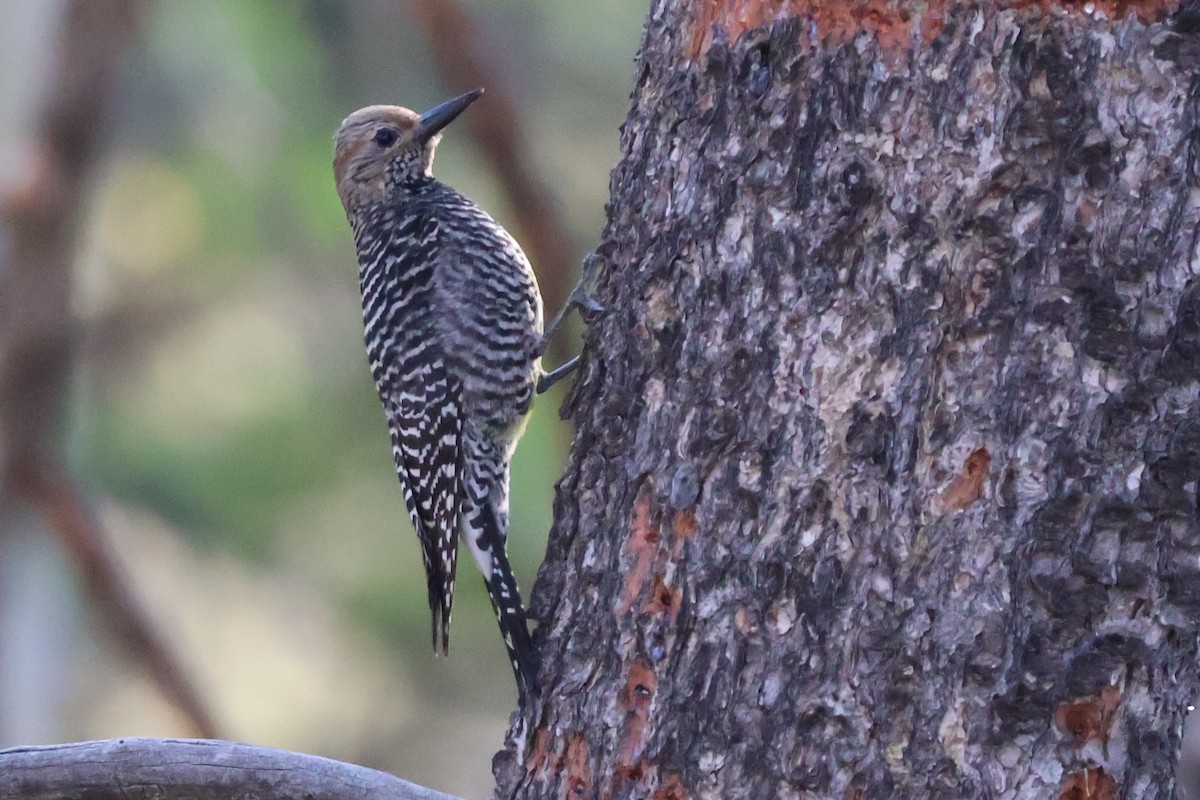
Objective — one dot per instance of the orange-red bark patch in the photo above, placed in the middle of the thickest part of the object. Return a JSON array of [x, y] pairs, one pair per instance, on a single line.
[[539, 754], [898, 25], [1089, 784], [638, 693], [890, 22], [643, 547], [640, 685], [967, 486], [579, 775], [664, 600], [1089, 717], [685, 523], [632, 773]]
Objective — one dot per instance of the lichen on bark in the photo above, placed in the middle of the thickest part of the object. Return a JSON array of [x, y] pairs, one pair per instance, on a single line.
[[888, 442]]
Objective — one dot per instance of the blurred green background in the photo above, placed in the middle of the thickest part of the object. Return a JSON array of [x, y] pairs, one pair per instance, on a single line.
[[223, 416]]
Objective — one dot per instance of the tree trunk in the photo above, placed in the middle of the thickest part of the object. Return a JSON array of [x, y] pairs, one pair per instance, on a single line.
[[885, 478]]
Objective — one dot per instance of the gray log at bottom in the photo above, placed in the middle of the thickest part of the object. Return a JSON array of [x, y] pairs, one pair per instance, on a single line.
[[190, 769]]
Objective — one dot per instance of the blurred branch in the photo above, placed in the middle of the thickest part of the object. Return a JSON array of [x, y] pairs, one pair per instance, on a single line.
[[37, 330], [119, 336], [81, 536], [167, 769], [495, 124]]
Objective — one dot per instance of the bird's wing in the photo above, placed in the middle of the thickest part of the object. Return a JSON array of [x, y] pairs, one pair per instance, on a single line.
[[423, 412], [422, 397]]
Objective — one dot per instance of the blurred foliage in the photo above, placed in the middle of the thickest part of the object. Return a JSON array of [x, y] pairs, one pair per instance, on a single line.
[[217, 208], [223, 386]]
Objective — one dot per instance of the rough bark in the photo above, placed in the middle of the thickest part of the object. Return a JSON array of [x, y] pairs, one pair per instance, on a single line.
[[888, 443], [190, 769]]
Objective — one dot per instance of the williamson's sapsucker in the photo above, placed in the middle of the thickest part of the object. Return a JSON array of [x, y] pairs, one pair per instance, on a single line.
[[454, 334]]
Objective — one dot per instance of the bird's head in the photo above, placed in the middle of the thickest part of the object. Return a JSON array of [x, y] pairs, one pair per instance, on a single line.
[[379, 146]]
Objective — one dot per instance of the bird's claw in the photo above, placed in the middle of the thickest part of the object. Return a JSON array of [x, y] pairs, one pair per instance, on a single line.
[[589, 310], [548, 379], [589, 307]]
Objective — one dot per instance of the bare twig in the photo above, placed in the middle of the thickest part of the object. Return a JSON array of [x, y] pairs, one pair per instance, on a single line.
[[495, 124], [191, 769], [37, 330]]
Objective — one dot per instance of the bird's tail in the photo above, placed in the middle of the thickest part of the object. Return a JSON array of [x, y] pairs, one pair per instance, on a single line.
[[440, 585], [510, 612]]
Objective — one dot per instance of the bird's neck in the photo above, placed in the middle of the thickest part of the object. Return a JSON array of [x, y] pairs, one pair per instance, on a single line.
[[409, 173], [408, 185], [401, 195]]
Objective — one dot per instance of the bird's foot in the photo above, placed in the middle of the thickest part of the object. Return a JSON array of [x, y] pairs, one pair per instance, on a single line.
[[580, 298], [548, 379]]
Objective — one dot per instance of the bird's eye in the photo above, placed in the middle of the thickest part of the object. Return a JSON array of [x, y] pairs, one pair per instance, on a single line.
[[386, 137]]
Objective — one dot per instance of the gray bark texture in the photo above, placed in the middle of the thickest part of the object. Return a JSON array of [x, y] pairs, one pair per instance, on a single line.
[[190, 769], [889, 438]]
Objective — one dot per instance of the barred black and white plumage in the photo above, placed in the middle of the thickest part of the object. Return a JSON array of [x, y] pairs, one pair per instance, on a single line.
[[454, 332]]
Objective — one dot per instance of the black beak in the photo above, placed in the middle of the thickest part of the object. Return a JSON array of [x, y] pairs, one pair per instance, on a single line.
[[442, 115]]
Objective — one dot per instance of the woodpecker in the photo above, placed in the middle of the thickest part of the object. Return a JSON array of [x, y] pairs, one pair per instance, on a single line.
[[453, 322]]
